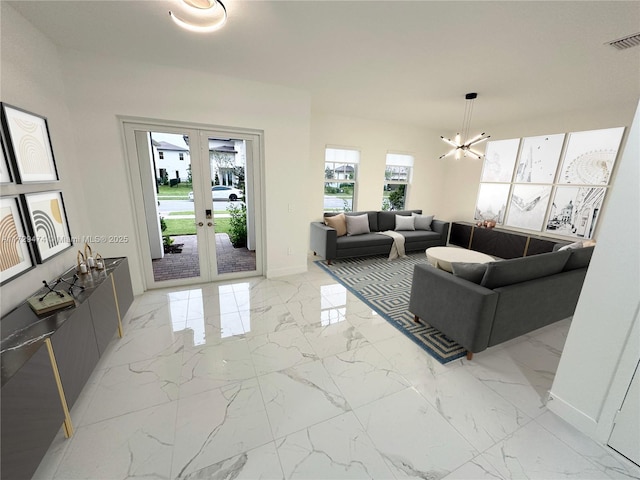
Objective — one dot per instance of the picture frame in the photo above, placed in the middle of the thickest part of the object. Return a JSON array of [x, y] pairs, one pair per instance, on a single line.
[[590, 156], [575, 211], [5, 170], [528, 206], [492, 202], [539, 158], [16, 256], [28, 145], [499, 160], [47, 223]]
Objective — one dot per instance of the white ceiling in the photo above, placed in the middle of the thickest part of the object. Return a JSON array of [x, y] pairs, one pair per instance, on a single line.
[[401, 61]]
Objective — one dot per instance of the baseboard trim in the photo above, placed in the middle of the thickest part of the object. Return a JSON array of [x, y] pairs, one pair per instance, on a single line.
[[572, 415], [283, 272]]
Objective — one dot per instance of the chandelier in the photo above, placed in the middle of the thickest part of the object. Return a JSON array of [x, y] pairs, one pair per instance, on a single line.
[[204, 13], [463, 148]]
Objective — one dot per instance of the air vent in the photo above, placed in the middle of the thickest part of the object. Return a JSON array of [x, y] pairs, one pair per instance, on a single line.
[[626, 42]]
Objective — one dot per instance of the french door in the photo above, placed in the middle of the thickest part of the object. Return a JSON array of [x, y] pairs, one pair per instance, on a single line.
[[196, 198]]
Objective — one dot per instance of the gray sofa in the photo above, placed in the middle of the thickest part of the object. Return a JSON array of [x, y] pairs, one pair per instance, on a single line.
[[511, 298], [326, 243]]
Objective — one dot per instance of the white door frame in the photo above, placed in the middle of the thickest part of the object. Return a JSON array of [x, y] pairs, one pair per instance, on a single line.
[[254, 183]]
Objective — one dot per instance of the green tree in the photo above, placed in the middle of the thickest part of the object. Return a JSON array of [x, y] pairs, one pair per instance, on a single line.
[[328, 173], [396, 198]]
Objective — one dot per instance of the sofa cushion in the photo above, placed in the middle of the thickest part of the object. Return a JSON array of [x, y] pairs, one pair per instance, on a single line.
[[404, 222], [420, 236], [474, 272], [357, 224], [363, 241], [387, 220], [516, 270], [337, 222], [579, 258], [422, 222]]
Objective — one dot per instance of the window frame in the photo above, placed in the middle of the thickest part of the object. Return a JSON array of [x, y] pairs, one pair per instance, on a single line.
[[396, 161], [334, 159]]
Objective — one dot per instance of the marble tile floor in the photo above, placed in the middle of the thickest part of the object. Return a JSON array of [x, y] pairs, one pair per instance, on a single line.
[[296, 378]]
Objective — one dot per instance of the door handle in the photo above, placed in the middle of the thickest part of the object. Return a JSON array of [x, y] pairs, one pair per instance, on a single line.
[[209, 224], [200, 224]]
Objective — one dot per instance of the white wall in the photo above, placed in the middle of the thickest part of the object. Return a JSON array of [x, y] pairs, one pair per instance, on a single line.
[[32, 79], [590, 382], [375, 140]]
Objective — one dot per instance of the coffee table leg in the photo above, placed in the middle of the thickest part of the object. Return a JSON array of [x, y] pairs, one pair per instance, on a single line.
[[416, 319], [469, 355]]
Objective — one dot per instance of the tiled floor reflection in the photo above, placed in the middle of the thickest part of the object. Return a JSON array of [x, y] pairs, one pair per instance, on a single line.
[[296, 378]]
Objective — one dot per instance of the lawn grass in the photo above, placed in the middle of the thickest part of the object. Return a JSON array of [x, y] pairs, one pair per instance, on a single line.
[[179, 192], [187, 226]]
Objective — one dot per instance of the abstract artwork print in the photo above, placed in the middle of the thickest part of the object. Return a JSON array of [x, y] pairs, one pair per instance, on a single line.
[[15, 257], [48, 223], [29, 146]]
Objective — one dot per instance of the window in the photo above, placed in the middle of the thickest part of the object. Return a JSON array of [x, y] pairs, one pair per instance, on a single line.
[[340, 177], [181, 156], [161, 155], [397, 176]]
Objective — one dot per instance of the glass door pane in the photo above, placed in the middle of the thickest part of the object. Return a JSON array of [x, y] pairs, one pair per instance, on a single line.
[[232, 200], [171, 158]]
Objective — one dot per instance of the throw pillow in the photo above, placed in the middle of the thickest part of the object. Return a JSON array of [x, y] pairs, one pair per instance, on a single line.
[[337, 222], [469, 271], [422, 222], [357, 224], [571, 246], [404, 222]]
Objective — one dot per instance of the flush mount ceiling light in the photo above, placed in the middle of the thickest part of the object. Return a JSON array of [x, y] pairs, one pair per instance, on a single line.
[[463, 148], [205, 10]]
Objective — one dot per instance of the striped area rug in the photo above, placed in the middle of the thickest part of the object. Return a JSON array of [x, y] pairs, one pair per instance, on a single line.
[[386, 286]]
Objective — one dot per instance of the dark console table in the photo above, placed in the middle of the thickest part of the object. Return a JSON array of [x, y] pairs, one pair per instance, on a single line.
[[47, 359], [499, 242]]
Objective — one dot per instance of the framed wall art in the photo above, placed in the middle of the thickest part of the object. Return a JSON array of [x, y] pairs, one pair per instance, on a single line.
[[15, 255], [499, 160], [575, 210], [47, 222], [28, 145], [5, 171], [539, 159], [492, 202], [590, 156], [528, 206]]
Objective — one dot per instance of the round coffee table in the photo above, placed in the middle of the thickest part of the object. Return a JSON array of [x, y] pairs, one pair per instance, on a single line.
[[442, 257]]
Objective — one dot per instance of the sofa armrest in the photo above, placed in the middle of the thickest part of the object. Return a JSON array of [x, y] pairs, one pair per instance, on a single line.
[[460, 309], [442, 228], [323, 240]]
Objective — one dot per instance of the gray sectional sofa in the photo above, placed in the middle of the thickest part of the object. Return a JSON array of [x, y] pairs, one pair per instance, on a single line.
[[326, 243], [510, 298]]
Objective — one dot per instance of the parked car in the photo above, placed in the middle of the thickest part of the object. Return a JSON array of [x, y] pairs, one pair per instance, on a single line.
[[223, 192]]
